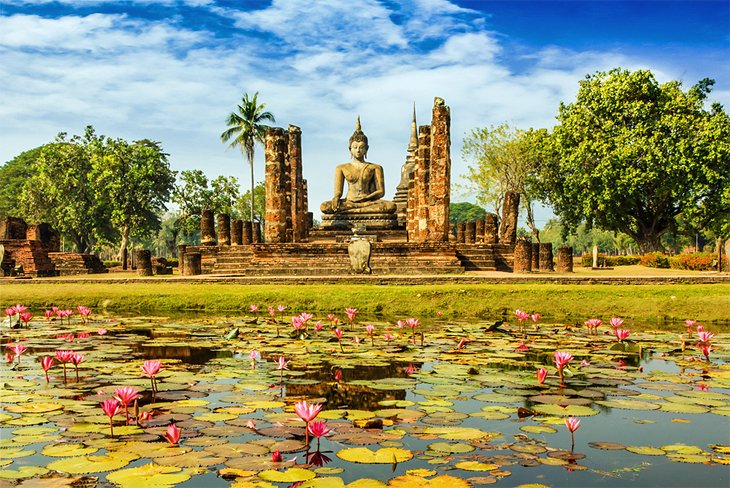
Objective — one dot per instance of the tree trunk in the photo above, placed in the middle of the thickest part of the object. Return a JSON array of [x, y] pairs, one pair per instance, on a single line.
[[252, 185], [123, 247], [531, 222]]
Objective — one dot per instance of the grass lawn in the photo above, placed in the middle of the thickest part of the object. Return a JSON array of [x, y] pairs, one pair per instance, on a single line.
[[707, 303]]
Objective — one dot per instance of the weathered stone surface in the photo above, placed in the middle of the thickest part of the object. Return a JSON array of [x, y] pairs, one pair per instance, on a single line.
[[536, 256], [406, 174], [247, 235], [277, 185], [192, 264], [565, 259], [224, 229], [510, 212], [461, 232], [237, 232], [359, 251], [470, 233], [490, 228], [523, 256], [479, 231], [256, 232], [207, 228], [46, 234], [30, 255], [13, 228], [546, 256], [181, 248], [418, 227], [69, 263], [440, 173], [144, 262], [297, 187]]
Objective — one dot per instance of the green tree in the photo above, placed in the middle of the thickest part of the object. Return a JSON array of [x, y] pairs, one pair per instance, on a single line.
[[243, 205], [504, 159], [63, 193], [134, 181], [13, 175], [465, 212], [245, 129], [633, 155]]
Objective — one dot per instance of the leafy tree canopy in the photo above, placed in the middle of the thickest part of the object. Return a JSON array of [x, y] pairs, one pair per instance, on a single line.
[[465, 212], [13, 176], [633, 155]]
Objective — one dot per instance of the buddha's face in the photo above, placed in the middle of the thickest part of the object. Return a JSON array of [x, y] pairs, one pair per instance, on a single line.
[[358, 149]]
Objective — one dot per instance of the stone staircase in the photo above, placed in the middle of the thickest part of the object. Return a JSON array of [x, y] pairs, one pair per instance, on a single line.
[[71, 263], [486, 257]]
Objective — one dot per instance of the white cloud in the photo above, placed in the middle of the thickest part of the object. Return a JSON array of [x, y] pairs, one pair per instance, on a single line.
[[329, 62]]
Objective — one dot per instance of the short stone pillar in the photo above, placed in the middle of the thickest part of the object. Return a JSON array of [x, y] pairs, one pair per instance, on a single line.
[[479, 231], [181, 258], [490, 228], [523, 256], [207, 228], [461, 232], [144, 262], [510, 212], [470, 233], [546, 256], [535, 256], [595, 257], [256, 233], [565, 259], [237, 232], [247, 234], [224, 230], [193, 264]]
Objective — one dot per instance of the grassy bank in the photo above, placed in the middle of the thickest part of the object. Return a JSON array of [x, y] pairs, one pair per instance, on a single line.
[[707, 303]]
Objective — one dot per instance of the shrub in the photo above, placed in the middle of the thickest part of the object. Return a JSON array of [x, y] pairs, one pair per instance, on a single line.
[[112, 264], [655, 260], [610, 261], [700, 261], [173, 262]]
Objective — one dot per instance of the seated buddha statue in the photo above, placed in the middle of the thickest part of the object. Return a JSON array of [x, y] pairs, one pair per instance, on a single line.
[[365, 183]]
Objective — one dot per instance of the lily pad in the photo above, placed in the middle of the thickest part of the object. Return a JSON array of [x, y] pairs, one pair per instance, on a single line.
[[291, 475], [386, 455], [150, 475]]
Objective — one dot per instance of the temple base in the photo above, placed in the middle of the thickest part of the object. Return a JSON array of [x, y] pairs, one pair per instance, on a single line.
[[345, 221]]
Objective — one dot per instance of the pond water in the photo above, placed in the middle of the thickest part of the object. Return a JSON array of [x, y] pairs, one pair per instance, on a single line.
[[460, 406]]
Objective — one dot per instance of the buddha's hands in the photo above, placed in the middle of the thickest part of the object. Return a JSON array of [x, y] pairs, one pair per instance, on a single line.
[[335, 204]]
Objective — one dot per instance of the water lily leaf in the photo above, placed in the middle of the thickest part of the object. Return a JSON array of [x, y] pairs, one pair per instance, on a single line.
[[538, 429], [22, 472], [151, 449], [386, 455], [688, 458], [682, 449], [150, 476], [476, 466], [628, 404], [232, 450], [291, 475], [327, 482], [35, 407], [528, 448], [450, 448], [722, 449], [215, 416], [93, 464], [15, 453], [607, 446], [422, 472], [27, 420], [682, 408], [366, 483], [460, 433], [410, 481], [565, 411], [68, 450], [646, 450], [498, 398], [34, 431], [191, 459], [265, 404]]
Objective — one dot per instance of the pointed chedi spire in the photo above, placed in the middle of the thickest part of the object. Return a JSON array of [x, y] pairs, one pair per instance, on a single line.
[[413, 143]]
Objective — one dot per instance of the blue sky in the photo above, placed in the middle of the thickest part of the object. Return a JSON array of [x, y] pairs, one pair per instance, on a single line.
[[171, 70]]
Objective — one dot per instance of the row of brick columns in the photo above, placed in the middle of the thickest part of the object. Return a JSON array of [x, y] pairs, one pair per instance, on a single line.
[[480, 231], [237, 233], [531, 256]]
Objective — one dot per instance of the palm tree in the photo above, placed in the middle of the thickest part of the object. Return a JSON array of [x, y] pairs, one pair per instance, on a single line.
[[245, 129]]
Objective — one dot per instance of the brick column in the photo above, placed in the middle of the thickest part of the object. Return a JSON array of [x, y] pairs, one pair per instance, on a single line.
[[207, 228], [523, 256], [224, 230], [421, 179], [296, 186], [193, 265], [535, 256], [479, 231], [256, 233], [460, 232], [180, 258], [546, 256], [247, 234], [440, 172], [276, 186], [565, 259], [470, 233], [510, 211], [144, 262], [237, 232], [490, 228]]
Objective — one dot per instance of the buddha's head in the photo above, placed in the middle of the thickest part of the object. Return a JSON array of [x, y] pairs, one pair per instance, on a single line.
[[360, 138]]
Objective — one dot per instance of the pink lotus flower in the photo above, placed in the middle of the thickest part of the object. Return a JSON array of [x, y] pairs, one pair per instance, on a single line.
[[541, 375], [621, 334], [68, 337], [439, 314], [46, 364], [254, 308], [319, 429], [690, 325], [338, 334], [101, 331], [9, 358], [331, 317], [706, 348], [413, 323], [10, 312], [338, 375], [250, 424], [125, 396], [18, 349], [83, 335], [25, 317], [318, 326], [411, 369], [307, 413], [705, 336], [173, 434], [254, 356], [522, 347], [305, 317], [76, 359], [572, 424], [151, 368], [85, 312], [585, 363], [110, 408], [272, 312], [562, 359], [48, 314], [522, 316], [616, 322], [281, 365], [297, 323], [388, 337], [535, 317], [351, 314], [370, 329], [592, 325], [280, 308], [276, 457], [400, 324], [19, 308]]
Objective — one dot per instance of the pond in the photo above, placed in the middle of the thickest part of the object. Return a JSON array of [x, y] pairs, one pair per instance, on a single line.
[[442, 403]]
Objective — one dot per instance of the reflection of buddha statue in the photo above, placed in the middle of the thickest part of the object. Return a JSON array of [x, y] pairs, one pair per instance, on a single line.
[[365, 185]]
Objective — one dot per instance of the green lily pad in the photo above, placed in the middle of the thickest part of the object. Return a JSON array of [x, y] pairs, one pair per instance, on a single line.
[[23, 472], [93, 464], [291, 475], [386, 455], [150, 475], [646, 450]]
